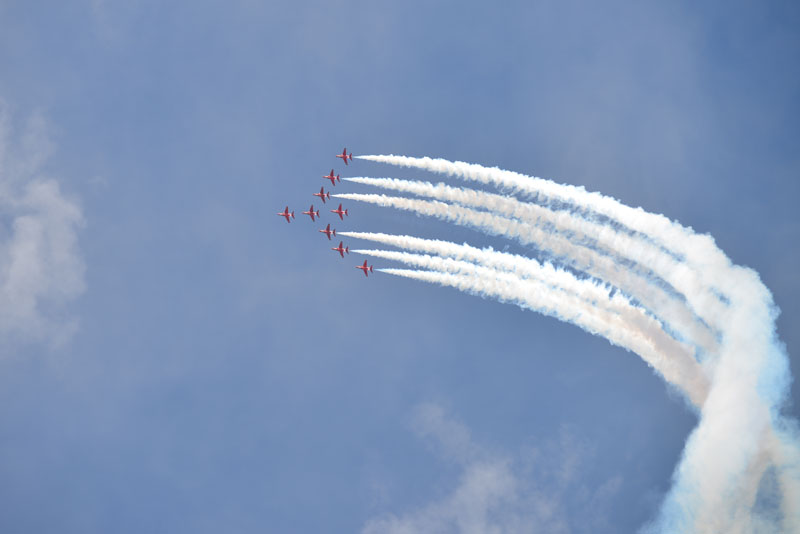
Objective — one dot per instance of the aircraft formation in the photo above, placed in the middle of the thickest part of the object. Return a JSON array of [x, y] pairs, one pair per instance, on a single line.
[[324, 196]]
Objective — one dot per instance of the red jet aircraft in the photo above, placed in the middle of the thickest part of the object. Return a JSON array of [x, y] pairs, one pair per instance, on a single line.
[[285, 213], [341, 250], [365, 268], [344, 155], [332, 178], [311, 213], [327, 231], [322, 194], [339, 212]]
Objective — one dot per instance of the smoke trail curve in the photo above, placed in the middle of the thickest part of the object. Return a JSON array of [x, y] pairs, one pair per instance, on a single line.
[[715, 479], [614, 318], [593, 238], [601, 267]]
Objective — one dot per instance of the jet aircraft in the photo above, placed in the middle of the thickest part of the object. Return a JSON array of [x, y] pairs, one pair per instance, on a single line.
[[311, 213], [344, 155], [332, 178], [285, 213], [365, 268], [322, 194], [339, 212], [341, 250], [327, 231]]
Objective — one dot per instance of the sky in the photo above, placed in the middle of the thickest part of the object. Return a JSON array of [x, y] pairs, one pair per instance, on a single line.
[[173, 356]]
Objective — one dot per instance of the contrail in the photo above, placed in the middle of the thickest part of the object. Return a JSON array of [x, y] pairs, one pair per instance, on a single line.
[[506, 288], [740, 425], [614, 318], [602, 267], [699, 251], [635, 220], [524, 267], [693, 382], [585, 233]]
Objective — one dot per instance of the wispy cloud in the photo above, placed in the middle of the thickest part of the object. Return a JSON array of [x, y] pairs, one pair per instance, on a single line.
[[41, 268], [525, 493]]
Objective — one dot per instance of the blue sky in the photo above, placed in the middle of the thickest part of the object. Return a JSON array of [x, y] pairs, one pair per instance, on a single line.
[[214, 368]]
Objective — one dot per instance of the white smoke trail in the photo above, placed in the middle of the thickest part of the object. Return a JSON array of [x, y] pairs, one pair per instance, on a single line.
[[582, 258], [740, 421], [699, 251], [612, 317], [672, 236], [532, 295], [524, 267], [691, 379], [590, 241]]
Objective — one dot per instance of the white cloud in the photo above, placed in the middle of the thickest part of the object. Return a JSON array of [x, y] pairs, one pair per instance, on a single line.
[[41, 268], [497, 494]]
